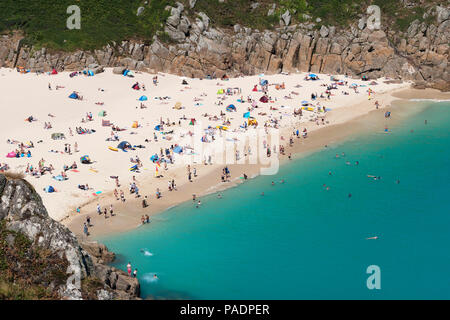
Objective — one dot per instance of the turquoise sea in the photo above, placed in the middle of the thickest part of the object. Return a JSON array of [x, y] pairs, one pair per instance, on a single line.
[[300, 241]]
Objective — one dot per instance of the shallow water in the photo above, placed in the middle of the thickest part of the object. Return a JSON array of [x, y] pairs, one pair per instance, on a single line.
[[299, 241]]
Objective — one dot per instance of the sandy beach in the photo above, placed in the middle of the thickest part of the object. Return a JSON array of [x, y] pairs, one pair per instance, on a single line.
[[172, 106]]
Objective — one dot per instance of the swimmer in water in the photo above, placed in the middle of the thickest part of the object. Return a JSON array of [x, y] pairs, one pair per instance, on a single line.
[[349, 195], [219, 196], [198, 204], [426, 121], [262, 193], [356, 162], [329, 173], [282, 181], [154, 276], [273, 183]]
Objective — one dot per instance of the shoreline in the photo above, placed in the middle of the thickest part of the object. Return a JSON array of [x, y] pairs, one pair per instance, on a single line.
[[318, 137]]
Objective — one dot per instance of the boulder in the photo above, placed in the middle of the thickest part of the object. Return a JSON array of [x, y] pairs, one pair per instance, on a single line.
[[118, 70]]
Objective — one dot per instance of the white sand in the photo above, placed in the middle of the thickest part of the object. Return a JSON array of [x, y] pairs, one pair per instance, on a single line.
[[25, 95]]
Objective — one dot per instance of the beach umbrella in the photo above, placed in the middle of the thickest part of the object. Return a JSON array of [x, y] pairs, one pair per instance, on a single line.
[[143, 98], [247, 115], [85, 159]]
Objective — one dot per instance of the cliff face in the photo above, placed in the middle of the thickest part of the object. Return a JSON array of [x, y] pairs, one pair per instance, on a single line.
[[40, 258], [198, 49]]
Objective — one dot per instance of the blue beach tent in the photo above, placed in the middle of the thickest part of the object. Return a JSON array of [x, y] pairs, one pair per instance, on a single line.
[[177, 149], [124, 145], [231, 107], [74, 96], [49, 189], [143, 98]]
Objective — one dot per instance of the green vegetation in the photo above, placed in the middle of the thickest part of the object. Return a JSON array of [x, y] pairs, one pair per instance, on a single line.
[[104, 21], [229, 13], [26, 271]]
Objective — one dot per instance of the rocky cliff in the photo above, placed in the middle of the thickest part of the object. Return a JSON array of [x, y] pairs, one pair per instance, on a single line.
[[42, 259], [195, 48]]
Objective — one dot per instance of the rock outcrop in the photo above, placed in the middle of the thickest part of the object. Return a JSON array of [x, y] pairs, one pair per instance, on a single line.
[[79, 273], [198, 49]]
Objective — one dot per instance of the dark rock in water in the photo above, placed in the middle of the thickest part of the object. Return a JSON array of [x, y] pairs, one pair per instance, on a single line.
[[69, 271]]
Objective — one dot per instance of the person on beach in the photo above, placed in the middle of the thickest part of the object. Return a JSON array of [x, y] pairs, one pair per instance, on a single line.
[[135, 273], [147, 218], [111, 210], [99, 209], [85, 230], [144, 202]]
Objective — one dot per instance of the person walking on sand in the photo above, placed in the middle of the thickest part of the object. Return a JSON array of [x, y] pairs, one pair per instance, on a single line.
[[85, 230], [135, 273], [99, 209], [111, 210]]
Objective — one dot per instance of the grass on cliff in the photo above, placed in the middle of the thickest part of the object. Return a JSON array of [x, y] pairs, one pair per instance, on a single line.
[[102, 21], [339, 13]]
